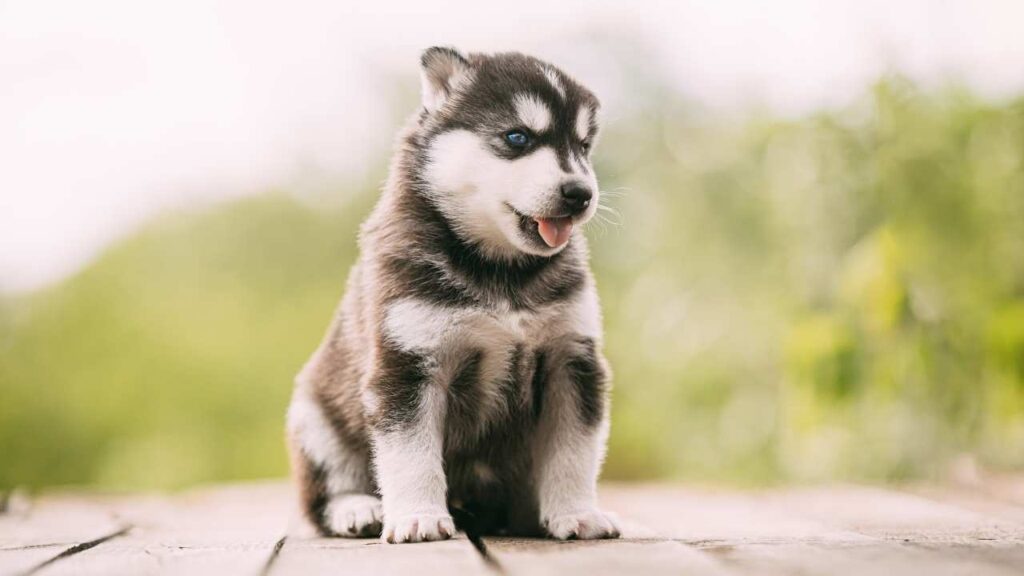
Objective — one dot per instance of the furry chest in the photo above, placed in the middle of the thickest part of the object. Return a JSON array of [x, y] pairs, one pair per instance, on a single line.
[[441, 331], [486, 358]]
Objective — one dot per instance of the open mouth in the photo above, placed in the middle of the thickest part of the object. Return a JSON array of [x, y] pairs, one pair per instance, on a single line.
[[553, 231]]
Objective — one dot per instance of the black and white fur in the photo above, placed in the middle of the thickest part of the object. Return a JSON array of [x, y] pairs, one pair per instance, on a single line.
[[463, 371]]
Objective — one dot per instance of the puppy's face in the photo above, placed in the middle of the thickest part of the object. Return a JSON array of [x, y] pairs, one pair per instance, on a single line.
[[508, 150]]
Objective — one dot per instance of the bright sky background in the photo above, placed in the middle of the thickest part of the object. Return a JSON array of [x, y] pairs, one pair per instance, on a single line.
[[111, 111]]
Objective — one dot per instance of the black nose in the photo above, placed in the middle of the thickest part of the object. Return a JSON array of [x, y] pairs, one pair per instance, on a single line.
[[576, 196]]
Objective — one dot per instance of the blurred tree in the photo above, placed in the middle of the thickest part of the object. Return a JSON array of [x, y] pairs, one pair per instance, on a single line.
[[836, 296]]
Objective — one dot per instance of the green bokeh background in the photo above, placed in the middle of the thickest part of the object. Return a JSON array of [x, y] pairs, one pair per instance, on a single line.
[[835, 296]]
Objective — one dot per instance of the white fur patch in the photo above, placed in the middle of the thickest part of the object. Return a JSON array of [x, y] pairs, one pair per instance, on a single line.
[[555, 81], [416, 326], [532, 112], [583, 119], [448, 334], [586, 314], [410, 470], [409, 462], [352, 514], [314, 434], [474, 188], [319, 442], [568, 458]]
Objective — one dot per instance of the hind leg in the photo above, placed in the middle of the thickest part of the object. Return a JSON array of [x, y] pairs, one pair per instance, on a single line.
[[336, 488]]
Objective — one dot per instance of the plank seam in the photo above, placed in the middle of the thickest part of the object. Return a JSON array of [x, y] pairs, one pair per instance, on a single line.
[[274, 553], [76, 549]]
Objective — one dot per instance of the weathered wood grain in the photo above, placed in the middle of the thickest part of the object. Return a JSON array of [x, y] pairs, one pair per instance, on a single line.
[[202, 532], [666, 530], [34, 533]]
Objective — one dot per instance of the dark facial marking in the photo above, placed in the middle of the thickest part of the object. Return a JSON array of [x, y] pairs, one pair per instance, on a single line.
[[487, 107]]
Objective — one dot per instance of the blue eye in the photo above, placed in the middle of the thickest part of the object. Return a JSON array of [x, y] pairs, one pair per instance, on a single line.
[[517, 139]]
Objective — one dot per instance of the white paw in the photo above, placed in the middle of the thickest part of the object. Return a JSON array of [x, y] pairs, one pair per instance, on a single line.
[[588, 524], [354, 515], [418, 528]]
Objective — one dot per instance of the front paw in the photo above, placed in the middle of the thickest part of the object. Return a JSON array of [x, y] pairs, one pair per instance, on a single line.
[[418, 528], [354, 516], [588, 524]]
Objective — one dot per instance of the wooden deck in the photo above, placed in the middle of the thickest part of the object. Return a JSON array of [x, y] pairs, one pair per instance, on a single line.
[[667, 530]]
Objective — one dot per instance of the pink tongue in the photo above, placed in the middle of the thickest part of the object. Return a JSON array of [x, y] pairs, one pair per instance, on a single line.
[[554, 231]]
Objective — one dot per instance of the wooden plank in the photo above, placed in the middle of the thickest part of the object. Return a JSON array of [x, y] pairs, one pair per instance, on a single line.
[[219, 531], [333, 556], [666, 530], [833, 515], [699, 516], [57, 520], [626, 556], [39, 531], [882, 558], [896, 516], [835, 530], [24, 560]]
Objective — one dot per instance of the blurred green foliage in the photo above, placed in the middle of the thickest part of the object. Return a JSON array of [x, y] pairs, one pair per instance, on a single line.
[[839, 296]]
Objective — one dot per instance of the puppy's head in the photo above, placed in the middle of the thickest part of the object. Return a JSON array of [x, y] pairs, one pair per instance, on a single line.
[[507, 142]]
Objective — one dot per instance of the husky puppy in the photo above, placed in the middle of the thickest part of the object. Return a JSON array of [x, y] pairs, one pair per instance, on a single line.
[[463, 372]]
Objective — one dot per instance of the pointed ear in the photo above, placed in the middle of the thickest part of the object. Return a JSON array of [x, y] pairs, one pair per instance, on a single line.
[[442, 70]]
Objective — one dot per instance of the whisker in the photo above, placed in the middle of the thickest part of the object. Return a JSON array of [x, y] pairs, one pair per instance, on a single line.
[[602, 220], [616, 192], [599, 226], [607, 216], [605, 213], [599, 222]]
